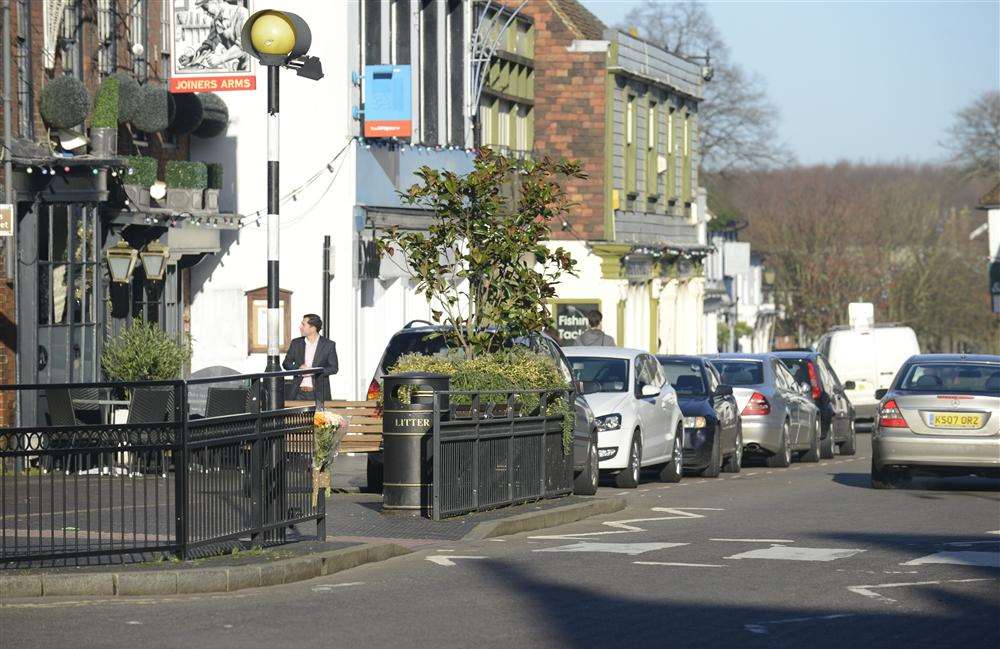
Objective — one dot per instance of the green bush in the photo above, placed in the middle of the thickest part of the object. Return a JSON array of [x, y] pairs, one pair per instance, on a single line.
[[128, 96], [187, 114], [143, 352], [509, 370], [182, 174], [144, 170], [154, 109], [215, 175], [215, 116], [65, 102], [106, 105]]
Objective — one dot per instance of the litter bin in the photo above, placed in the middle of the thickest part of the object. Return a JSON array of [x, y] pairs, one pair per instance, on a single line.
[[407, 439]]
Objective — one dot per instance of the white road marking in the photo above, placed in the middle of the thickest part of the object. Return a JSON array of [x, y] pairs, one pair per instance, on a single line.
[[133, 622], [611, 548], [784, 553], [448, 560], [752, 473], [682, 565], [625, 526], [325, 588], [497, 540], [760, 628], [754, 540], [994, 532], [966, 544], [866, 591], [959, 558]]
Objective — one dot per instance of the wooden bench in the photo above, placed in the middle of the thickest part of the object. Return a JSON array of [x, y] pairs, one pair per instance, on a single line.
[[364, 424]]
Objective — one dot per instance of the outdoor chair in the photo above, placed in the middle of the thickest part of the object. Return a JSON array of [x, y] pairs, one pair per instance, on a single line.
[[227, 401], [148, 406], [61, 413]]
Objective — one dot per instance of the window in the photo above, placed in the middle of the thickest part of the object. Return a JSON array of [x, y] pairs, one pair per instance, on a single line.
[[429, 72], [503, 124], [685, 377], [651, 153], [827, 374], [106, 33], [140, 36], [671, 152], [630, 154], [71, 39], [373, 32], [740, 372], [25, 93], [687, 134], [600, 374], [960, 378], [401, 33], [454, 42], [521, 130]]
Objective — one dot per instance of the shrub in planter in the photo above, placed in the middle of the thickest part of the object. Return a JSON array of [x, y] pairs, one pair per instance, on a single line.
[[215, 176], [104, 124], [128, 96], [215, 116], [65, 102], [188, 113], [138, 182], [186, 183], [144, 352], [154, 110]]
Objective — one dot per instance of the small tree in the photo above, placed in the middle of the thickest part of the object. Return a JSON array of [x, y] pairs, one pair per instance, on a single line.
[[144, 352], [483, 264]]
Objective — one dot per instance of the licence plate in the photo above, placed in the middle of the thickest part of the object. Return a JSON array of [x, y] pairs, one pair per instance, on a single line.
[[954, 420]]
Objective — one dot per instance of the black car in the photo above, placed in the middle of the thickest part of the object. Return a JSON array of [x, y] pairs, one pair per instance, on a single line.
[[421, 337], [713, 436], [836, 412]]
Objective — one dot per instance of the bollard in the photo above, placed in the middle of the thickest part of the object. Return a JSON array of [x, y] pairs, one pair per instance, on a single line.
[[407, 440]]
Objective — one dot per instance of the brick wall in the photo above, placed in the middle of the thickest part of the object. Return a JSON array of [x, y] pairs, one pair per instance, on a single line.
[[569, 116]]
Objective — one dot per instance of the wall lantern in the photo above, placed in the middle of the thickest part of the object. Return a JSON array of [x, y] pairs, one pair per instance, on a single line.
[[121, 261], [154, 260]]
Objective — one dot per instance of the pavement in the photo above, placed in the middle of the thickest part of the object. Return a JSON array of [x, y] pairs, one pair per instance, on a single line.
[[807, 556]]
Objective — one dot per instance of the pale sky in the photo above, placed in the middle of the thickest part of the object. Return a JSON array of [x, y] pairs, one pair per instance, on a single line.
[[875, 81]]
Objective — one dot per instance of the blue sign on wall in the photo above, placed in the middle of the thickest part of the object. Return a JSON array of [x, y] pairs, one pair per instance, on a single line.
[[388, 101]]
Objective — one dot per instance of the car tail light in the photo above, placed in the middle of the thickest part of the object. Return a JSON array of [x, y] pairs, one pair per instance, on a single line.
[[757, 405], [813, 380], [889, 415]]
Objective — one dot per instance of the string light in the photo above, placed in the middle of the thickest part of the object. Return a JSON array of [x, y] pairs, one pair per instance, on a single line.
[[30, 170]]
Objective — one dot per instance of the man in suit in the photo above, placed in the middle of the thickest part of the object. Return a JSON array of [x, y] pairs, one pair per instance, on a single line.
[[311, 350]]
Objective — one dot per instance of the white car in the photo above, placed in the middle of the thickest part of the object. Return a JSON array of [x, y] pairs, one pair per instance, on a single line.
[[639, 422]]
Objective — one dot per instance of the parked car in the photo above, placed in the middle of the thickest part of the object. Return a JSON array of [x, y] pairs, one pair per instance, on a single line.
[[421, 337], [869, 358], [713, 435], [777, 415], [829, 394], [941, 415], [639, 422]]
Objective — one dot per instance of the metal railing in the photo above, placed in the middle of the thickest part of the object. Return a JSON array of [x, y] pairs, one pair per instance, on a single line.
[[500, 448], [92, 482]]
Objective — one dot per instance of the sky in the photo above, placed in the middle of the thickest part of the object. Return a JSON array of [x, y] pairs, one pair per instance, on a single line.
[[860, 81]]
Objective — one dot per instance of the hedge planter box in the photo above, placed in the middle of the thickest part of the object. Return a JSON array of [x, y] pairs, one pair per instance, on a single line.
[[212, 200], [104, 142], [137, 195], [182, 199]]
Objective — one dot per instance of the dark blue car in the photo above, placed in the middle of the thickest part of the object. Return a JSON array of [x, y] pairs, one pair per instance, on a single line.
[[713, 438]]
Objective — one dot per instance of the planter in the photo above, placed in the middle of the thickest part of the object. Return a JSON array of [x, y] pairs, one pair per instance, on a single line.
[[184, 200], [104, 141], [137, 195], [212, 200]]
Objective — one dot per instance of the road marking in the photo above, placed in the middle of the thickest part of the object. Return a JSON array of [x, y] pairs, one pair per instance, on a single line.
[[133, 623], [497, 540], [611, 548], [752, 473], [760, 628], [994, 532], [769, 472], [966, 544], [326, 588], [443, 560], [754, 540], [959, 558], [866, 591], [681, 565], [784, 553], [625, 526]]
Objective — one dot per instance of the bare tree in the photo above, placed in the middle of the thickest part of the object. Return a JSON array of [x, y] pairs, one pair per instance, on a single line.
[[738, 123], [974, 136]]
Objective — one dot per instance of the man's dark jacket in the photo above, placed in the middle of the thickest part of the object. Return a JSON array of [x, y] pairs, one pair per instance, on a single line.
[[326, 358]]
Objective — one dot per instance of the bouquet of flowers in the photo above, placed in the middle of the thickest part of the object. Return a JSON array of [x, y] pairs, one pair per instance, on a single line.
[[325, 427]]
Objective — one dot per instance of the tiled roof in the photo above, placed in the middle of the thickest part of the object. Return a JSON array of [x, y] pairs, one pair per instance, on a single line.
[[992, 197], [578, 18]]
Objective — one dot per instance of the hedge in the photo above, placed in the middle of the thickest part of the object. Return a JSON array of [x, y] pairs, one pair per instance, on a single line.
[[144, 170], [128, 96], [155, 109], [106, 105], [181, 174], [65, 102], [215, 116], [187, 115], [215, 175]]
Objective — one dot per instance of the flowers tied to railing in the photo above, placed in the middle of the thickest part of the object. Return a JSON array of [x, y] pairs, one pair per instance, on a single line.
[[326, 438]]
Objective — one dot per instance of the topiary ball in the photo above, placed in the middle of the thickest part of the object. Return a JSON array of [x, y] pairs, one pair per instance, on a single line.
[[128, 96], [155, 109], [188, 113], [215, 116], [65, 102]]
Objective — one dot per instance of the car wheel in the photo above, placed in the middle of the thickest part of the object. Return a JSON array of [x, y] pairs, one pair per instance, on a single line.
[[828, 447], [850, 446], [735, 460], [585, 484], [671, 472], [812, 455], [886, 478], [628, 478], [374, 471], [715, 460], [783, 457]]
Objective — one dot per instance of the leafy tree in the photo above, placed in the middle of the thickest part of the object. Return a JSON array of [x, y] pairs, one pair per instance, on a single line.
[[483, 264], [974, 136]]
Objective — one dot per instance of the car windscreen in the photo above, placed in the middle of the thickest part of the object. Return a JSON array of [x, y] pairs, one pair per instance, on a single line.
[[963, 378], [685, 377], [427, 343], [740, 372], [600, 374]]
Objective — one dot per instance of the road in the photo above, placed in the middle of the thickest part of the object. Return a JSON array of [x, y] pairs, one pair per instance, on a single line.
[[802, 557]]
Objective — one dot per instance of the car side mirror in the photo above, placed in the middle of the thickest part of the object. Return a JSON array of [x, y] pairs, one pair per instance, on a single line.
[[578, 386], [649, 391], [724, 390], [850, 385], [881, 393]]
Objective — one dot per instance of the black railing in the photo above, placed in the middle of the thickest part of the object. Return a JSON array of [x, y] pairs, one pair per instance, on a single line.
[[192, 467], [500, 448]]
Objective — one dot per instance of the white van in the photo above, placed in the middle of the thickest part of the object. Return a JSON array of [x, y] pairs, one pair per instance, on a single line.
[[870, 357]]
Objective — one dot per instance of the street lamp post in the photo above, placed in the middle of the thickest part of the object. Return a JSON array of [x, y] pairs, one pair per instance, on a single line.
[[277, 39]]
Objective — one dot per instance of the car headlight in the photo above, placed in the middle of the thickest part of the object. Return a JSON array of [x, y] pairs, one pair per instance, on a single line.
[[609, 422], [694, 422]]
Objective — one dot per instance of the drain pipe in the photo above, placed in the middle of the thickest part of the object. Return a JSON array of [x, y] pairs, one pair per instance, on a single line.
[[8, 184]]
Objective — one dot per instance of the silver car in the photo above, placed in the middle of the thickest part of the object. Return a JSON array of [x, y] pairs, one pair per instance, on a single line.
[[778, 416], [940, 415]]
